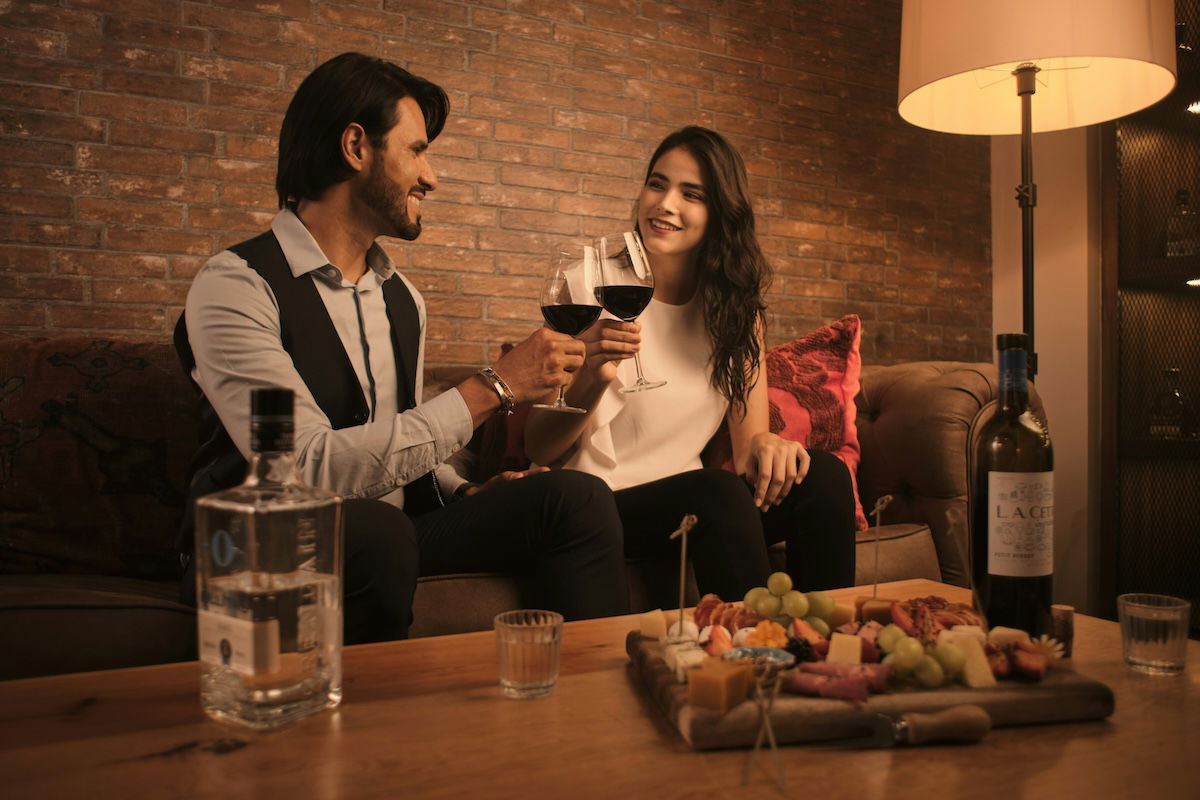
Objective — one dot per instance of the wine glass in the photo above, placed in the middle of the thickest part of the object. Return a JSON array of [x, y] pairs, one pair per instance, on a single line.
[[569, 304], [624, 287]]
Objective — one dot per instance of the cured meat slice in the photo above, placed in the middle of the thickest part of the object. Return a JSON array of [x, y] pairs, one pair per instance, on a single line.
[[845, 687], [877, 676]]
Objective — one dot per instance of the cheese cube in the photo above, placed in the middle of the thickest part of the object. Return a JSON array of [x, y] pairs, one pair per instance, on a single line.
[[653, 624], [976, 673], [842, 613], [844, 648], [1001, 636], [879, 610], [720, 685]]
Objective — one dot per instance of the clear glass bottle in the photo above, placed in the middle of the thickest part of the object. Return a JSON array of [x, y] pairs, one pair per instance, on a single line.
[[1012, 533], [268, 584], [1183, 227], [1171, 415]]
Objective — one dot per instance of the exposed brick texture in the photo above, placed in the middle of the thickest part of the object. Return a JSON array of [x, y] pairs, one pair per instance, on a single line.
[[137, 138]]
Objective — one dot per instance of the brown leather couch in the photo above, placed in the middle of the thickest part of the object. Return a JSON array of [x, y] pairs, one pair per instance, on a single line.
[[95, 438]]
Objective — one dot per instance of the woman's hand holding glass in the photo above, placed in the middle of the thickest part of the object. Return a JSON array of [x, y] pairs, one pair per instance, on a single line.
[[775, 466], [608, 343]]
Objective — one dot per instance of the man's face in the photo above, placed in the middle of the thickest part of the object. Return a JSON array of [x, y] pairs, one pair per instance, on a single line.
[[399, 175]]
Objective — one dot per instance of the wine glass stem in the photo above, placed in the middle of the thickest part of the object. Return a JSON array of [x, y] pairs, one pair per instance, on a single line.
[[637, 360], [562, 397]]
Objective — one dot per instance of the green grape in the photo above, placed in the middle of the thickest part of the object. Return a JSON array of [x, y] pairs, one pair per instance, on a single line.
[[820, 605], [795, 604], [950, 656], [928, 672], [903, 674], [908, 652], [819, 625], [779, 583], [768, 605], [887, 638], [752, 597]]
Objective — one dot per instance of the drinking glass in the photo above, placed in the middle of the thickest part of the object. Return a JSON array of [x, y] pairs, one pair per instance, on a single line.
[[625, 285], [1154, 632], [569, 303], [527, 645]]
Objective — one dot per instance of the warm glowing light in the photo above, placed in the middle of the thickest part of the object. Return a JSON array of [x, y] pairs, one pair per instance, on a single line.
[[1194, 282], [1195, 107]]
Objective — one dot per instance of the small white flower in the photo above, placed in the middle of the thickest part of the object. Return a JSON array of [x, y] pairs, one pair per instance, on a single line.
[[1050, 646]]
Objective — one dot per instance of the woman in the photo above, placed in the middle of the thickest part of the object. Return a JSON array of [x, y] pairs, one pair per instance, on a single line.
[[703, 334]]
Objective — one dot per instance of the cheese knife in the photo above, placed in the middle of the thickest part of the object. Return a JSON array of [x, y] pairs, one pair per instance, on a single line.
[[963, 723]]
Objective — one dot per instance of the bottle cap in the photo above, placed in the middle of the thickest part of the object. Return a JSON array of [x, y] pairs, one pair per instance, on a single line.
[[1012, 341], [272, 402]]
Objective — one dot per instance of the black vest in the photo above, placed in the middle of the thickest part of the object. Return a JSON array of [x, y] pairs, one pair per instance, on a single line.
[[309, 337]]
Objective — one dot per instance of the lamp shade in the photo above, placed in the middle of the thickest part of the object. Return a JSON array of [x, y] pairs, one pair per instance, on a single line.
[[1099, 60]]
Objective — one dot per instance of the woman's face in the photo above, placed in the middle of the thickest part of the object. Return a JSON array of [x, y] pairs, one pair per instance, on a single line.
[[672, 209]]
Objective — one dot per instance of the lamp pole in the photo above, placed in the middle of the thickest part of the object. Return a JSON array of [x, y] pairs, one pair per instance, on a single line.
[[1027, 198]]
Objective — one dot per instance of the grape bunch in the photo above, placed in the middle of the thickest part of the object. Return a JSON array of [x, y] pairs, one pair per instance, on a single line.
[[928, 665], [780, 602]]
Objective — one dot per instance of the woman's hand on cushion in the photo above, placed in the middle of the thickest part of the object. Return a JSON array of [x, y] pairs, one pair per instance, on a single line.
[[776, 465], [608, 343]]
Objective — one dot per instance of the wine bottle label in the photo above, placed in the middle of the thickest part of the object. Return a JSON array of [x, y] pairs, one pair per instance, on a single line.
[[251, 648], [1020, 524]]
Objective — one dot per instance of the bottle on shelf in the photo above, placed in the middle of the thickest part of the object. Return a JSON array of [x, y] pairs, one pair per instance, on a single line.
[[268, 584], [1172, 416], [1183, 227], [1012, 536]]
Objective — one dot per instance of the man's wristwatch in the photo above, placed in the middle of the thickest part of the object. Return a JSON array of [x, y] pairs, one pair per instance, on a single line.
[[507, 401]]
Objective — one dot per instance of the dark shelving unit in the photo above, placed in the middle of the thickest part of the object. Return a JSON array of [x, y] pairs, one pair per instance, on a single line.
[[1150, 487]]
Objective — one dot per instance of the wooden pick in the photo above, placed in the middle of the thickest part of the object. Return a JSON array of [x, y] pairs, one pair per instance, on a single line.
[[877, 511], [685, 525]]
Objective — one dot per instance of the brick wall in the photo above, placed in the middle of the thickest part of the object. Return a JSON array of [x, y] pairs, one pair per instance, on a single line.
[[135, 143]]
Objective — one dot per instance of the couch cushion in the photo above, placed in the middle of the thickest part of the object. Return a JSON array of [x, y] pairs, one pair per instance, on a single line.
[[52, 624], [95, 437]]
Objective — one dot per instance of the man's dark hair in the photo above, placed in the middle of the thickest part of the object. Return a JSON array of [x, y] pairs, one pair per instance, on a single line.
[[348, 88]]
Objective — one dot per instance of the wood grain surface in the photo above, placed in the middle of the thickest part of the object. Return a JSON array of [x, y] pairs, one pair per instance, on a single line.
[[424, 718]]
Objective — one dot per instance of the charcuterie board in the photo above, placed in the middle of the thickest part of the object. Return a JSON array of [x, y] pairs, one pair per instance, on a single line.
[[1062, 696]]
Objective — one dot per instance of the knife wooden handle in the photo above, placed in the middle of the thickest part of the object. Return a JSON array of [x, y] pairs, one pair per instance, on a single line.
[[964, 723]]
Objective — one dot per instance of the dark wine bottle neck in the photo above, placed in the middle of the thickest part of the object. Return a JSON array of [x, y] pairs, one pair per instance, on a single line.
[[1014, 382]]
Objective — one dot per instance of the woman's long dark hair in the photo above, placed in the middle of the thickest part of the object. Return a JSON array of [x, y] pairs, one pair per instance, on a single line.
[[732, 271]]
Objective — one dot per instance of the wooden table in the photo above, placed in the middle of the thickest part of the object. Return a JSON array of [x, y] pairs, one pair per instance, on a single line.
[[424, 718]]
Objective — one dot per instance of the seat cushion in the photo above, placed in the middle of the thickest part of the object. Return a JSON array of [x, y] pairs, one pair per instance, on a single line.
[[52, 624]]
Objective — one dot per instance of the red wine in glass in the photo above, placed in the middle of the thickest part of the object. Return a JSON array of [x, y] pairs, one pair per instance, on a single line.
[[571, 319], [569, 305], [625, 302], [624, 287]]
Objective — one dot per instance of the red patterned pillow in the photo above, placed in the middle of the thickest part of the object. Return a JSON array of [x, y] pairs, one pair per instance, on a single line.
[[811, 383]]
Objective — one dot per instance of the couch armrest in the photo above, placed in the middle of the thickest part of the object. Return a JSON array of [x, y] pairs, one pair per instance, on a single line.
[[918, 425]]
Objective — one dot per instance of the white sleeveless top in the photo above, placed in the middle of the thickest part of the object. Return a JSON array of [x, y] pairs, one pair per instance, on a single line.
[[639, 437]]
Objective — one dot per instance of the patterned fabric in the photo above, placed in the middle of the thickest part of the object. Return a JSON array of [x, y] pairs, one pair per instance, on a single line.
[[94, 442], [811, 383]]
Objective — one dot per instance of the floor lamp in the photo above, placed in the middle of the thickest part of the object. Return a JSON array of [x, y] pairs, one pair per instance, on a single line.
[[1025, 66]]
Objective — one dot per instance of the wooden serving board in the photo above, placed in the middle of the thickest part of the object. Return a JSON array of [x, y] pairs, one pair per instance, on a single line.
[[1061, 697]]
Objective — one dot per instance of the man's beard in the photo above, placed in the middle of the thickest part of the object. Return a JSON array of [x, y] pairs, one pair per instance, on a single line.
[[384, 196]]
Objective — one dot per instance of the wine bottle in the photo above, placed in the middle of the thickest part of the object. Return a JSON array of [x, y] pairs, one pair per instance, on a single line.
[[1012, 545], [268, 584]]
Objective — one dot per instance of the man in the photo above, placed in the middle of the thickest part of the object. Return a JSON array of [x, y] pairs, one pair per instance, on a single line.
[[315, 305]]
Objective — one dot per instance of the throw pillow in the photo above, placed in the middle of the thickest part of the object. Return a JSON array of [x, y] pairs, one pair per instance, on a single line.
[[95, 439], [811, 385]]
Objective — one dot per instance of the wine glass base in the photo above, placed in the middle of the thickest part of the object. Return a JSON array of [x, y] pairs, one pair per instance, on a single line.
[[565, 408], [642, 386]]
